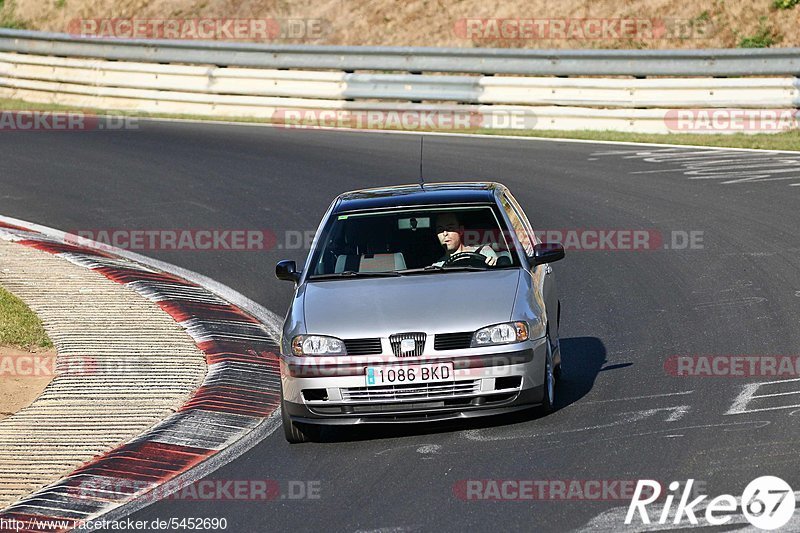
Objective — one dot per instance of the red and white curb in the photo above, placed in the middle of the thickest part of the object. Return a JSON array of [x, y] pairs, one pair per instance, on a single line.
[[234, 408]]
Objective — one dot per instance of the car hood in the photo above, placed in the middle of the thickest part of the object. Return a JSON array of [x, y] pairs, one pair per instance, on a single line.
[[433, 303]]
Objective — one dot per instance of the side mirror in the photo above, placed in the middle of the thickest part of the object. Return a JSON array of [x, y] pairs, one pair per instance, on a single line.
[[547, 252], [287, 271]]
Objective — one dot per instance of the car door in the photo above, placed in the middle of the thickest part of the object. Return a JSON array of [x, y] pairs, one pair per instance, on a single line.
[[543, 276]]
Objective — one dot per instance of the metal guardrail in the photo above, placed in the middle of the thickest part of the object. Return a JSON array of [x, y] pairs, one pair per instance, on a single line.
[[279, 83], [317, 89], [639, 63]]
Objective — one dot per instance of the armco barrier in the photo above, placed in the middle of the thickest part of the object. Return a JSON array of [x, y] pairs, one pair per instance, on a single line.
[[209, 79], [735, 62]]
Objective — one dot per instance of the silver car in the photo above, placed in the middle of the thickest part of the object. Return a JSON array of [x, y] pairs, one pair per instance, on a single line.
[[420, 303]]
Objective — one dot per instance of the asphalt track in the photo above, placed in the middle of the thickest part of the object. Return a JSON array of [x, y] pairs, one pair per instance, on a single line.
[[621, 416]]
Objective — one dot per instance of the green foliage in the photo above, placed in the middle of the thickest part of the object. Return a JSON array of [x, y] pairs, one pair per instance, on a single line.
[[19, 326], [7, 19], [763, 38], [785, 4]]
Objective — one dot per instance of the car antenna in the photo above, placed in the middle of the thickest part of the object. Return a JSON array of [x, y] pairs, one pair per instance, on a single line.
[[421, 179]]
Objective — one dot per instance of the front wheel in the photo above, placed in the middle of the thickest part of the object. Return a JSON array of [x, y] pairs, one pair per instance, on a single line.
[[297, 433], [558, 371], [549, 396]]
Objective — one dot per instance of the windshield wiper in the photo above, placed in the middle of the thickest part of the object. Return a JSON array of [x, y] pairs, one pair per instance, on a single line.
[[353, 274], [435, 268]]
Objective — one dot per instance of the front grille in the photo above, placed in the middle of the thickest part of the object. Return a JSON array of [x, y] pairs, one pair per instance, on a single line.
[[421, 391], [452, 341], [363, 346], [398, 338]]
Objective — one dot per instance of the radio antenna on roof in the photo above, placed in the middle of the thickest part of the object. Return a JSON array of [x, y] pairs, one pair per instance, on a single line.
[[421, 179]]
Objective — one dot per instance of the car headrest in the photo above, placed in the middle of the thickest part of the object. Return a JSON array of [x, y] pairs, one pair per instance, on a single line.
[[382, 262]]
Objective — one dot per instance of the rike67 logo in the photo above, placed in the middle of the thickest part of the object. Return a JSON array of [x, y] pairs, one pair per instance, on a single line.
[[767, 503]]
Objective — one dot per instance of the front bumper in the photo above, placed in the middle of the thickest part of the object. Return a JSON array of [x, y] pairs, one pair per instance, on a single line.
[[483, 384]]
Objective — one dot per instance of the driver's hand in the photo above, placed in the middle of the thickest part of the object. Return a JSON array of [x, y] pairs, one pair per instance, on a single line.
[[491, 261]]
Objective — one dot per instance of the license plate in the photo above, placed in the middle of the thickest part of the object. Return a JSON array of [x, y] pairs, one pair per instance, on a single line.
[[408, 374]]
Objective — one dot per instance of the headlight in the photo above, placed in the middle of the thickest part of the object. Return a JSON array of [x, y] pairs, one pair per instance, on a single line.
[[501, 334], [317, 345]]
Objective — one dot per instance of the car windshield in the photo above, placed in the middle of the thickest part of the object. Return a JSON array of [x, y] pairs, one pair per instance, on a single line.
[[412, 241]]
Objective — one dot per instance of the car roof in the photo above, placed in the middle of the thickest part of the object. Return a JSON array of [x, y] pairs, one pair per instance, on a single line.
[[464, 192]]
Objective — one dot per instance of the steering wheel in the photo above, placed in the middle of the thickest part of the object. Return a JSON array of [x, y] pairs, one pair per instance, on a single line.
[[471, 257]]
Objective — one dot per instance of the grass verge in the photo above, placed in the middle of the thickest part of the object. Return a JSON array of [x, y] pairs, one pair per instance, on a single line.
[[789, 140], [19, 326]]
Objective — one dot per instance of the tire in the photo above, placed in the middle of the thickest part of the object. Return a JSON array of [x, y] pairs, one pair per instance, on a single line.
[[549, 395], [559, 369], [298, 433]]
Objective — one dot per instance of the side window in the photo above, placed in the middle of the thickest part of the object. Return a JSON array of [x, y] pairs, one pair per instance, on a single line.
[[519, 226]]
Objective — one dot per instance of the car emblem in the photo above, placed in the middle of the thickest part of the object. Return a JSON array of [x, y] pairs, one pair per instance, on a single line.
[[407, 345]]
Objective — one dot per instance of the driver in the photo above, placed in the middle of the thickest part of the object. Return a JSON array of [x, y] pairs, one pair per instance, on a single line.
[[450, 233]]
